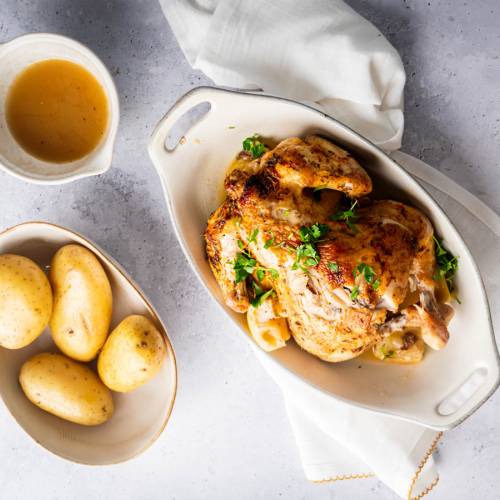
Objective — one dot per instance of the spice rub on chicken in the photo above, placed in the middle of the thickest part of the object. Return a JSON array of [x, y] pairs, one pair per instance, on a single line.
[[299, 247]]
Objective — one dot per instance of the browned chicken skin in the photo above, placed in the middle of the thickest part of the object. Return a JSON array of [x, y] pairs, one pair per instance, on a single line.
[[335, 309]]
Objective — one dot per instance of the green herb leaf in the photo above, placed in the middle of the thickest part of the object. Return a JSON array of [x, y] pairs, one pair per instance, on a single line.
[[368, 274], [260, 294], [254, 146], [333, 266], [366, 271], [306, 256], [253, 236], [348, 216], [306, 253], [244, 266], [260, 273], [240, 244], [274, 273], [447, 263], [311, 234], [355, 292], [270, 242]]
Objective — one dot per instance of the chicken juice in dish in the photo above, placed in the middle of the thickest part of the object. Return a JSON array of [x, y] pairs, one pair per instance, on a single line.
[[300, 248]]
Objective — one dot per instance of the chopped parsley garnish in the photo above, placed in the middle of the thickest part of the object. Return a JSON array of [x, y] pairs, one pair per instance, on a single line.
[[306, 256], [447, 263], [253, 236], [260, 294], [313, 233], [260, 272], [366, 271], [270, 242], [368, 274], [306, 253], [254, 146], [348, 216], [244, 266], [240, 244], [333, 266]]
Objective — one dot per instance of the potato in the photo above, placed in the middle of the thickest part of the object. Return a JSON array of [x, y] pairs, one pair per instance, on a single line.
[[403, 347], [66, 389], [268, 330], [25, 301], [82, 302], [132, 355]]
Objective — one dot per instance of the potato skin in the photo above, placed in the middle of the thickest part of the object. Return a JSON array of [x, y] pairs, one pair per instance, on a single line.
[[82, 302], [25, 301], [132, 355], [67, 389]]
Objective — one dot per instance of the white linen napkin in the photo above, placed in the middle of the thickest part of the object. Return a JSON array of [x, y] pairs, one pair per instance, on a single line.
[[321, 51]]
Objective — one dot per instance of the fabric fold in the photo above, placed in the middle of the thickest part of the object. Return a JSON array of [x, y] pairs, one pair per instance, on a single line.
[[336, 440], [320, 51]]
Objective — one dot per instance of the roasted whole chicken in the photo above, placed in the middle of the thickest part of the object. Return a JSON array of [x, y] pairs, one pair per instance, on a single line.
[[300, 248]]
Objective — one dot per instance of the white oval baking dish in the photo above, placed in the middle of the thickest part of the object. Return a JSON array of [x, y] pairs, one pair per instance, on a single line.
[[449, 385], [140, 416]]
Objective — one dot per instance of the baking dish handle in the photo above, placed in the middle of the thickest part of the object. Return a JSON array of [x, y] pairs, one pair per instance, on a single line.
[[157, 150]]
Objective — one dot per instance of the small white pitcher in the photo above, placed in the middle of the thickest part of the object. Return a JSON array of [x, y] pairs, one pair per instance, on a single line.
[[15, 56]]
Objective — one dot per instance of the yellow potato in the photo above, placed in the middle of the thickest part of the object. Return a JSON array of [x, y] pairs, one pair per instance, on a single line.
[[268, 331], [403, 347], [82, 302], [132, 355], [66, 389], [25, 301]]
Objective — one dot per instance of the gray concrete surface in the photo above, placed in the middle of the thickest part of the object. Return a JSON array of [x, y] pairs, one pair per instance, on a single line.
[[229, 437]]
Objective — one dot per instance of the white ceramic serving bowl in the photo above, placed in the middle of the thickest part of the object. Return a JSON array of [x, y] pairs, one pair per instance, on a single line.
[[439, 392], [15, 56], [140, 416]]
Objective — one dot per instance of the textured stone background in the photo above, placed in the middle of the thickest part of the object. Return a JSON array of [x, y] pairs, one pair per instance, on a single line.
[[228, 437]]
